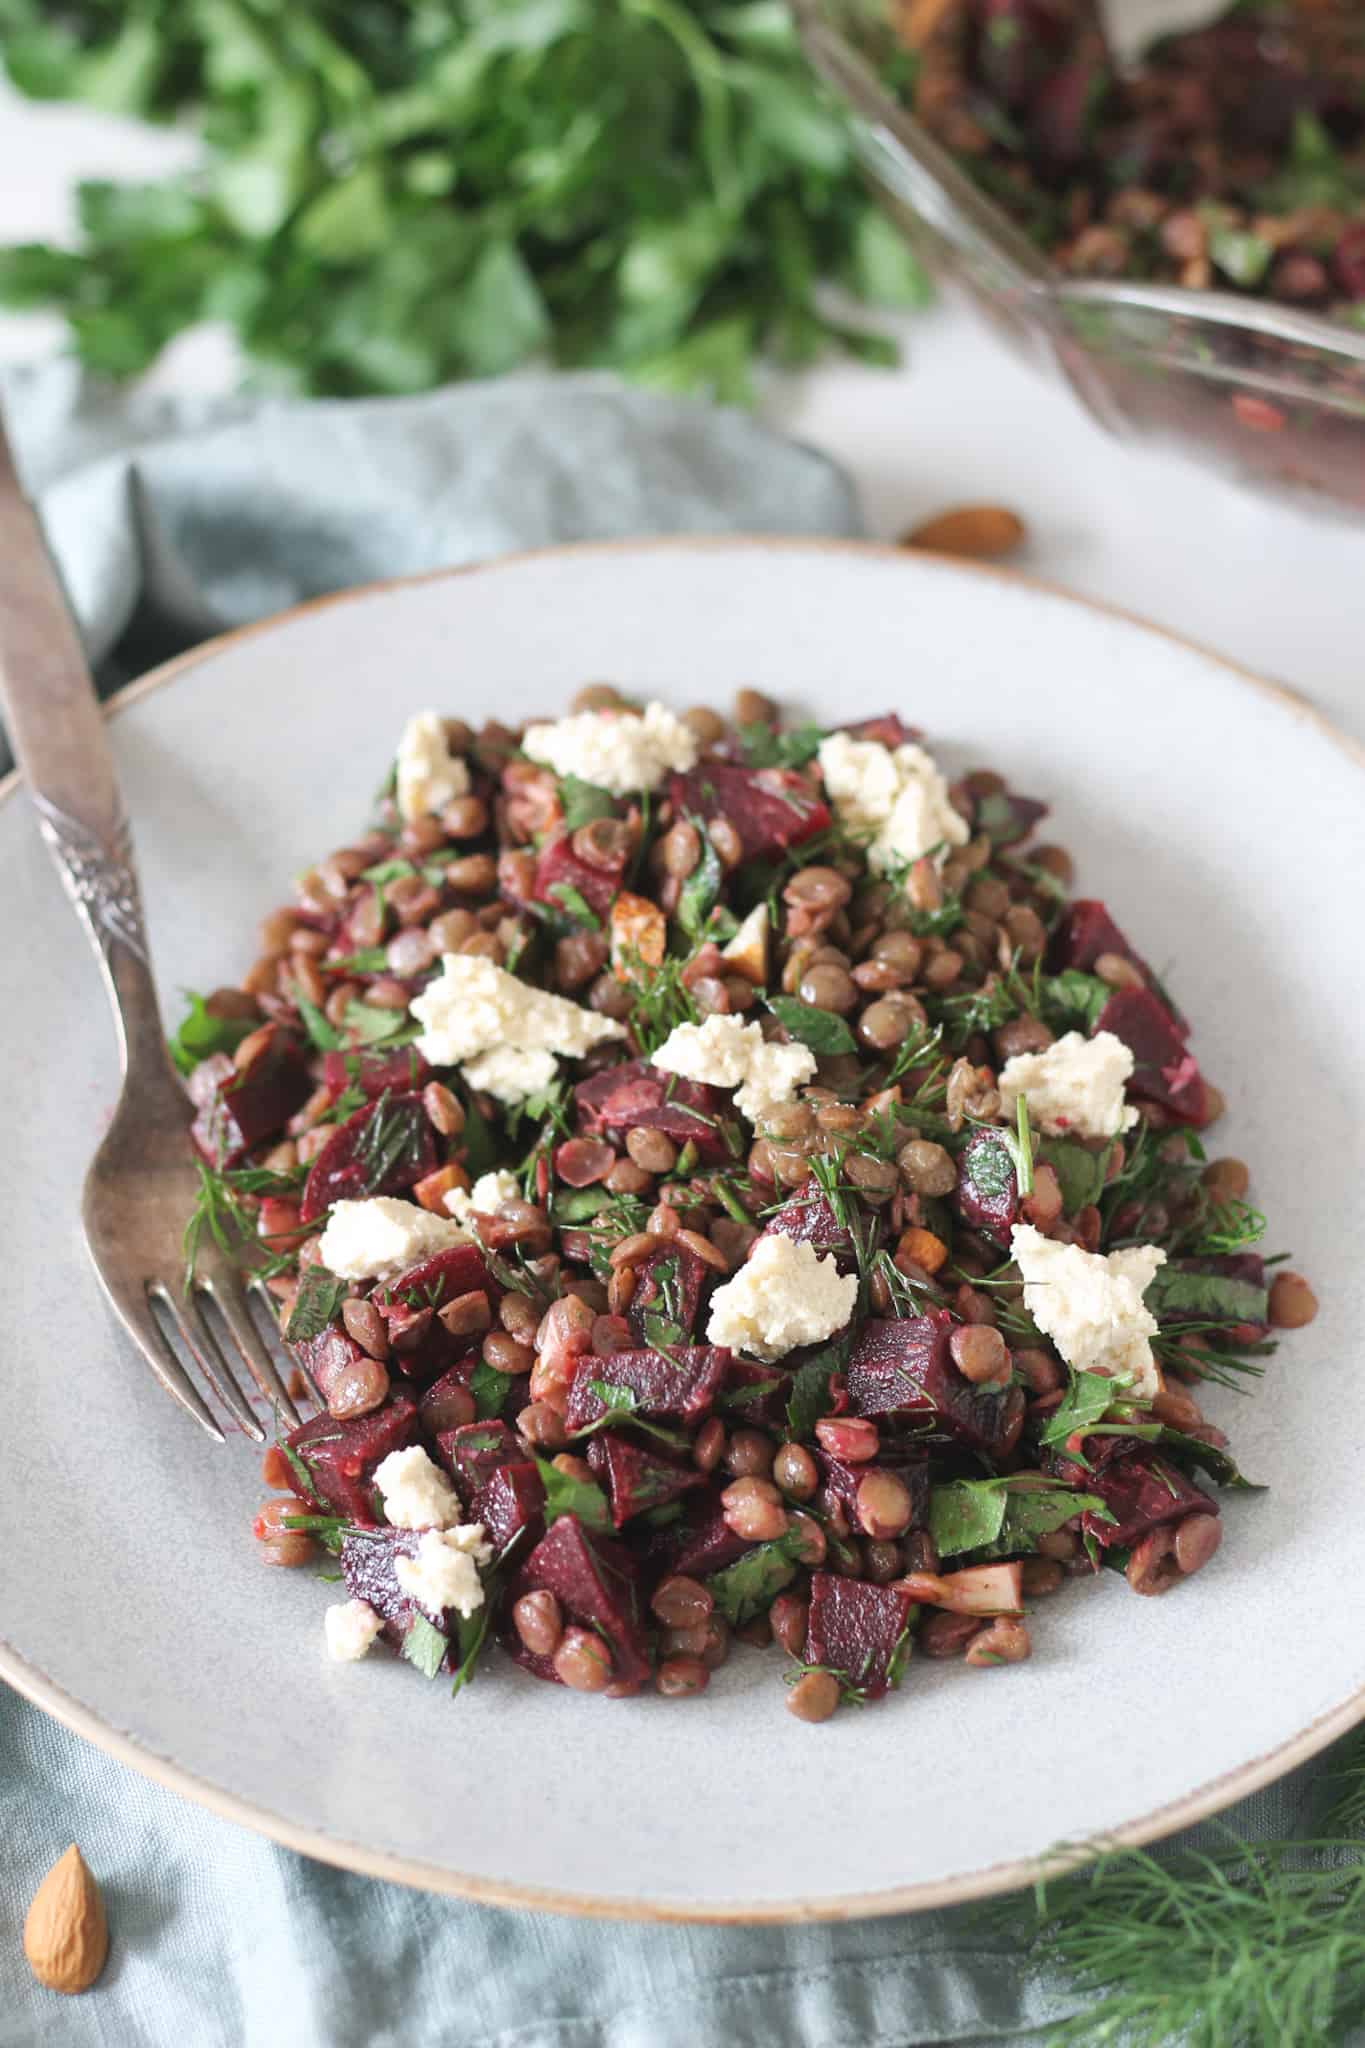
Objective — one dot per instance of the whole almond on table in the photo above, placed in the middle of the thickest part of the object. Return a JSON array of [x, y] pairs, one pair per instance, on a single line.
[[66, 1936], [984, 533]]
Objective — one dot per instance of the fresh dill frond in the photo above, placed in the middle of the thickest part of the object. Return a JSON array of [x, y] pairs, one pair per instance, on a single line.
[[230, 1222], [660, 1000]]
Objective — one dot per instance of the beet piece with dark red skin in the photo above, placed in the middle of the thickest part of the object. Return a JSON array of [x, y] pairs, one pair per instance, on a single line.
[[637, 1479], [419, 1294], [593, 1579], [702, 1543], [374, 1073], [811, 1220], [1164, 1071], [682, 1387], [475, 1451], [854, 1629], [558, 866], [987, 1192], [342, 1457], [454, 1379], [368, 1561], [889, 729], [325, 1357], [342, 1171], [668, 1291], [1006, 819], [912, 1469], [770, 808], [511, 1500], [904, 1368], [637, 1096], [246, 1108], [756, 1396], [1143, 1492], [1087, 930]]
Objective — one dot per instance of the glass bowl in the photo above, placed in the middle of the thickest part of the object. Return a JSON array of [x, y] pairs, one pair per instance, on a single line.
[[1277, 397]]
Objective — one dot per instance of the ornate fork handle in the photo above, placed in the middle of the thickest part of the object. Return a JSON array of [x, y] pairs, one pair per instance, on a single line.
[[62, 745]]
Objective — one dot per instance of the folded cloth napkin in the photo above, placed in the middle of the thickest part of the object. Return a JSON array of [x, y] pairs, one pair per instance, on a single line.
[[173, 520]]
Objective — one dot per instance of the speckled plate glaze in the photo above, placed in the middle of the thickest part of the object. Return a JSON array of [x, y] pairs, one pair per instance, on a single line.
[[1226, 825]]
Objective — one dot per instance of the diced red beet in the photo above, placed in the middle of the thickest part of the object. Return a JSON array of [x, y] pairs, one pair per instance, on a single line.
[[1004, 817], [384, 1149], [368, 1563], [341, 1457], [637, 1479], [374, 1073], [1163, 1070], [1086, 931], [702, 1543], [245, 1108], [593, 1580], [475, 1451], [455, 1379], [987, 1193], [770, 808], [755, 1396], [559, 868], [910, 1467], [325, 1357], [1142, 1491], [668, 1291], [683, 1385], [431, 1285], [810, 1219], [855, 1628], [511, 1500], [636, 1096], [904, 1368]]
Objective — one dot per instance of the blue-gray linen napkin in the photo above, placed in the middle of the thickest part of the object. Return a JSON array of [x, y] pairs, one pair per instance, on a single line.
[[173, 520]]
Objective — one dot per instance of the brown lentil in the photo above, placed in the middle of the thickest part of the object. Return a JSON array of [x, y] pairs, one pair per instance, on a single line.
[[582, 1661], [680, 1602], [1003, 1642], [814, 1696], [539, 1621], [681, 1678], [795, 1472], [1292, 1301]]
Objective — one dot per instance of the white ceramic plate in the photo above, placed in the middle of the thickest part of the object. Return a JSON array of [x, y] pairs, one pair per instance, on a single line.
[[1227, 828]]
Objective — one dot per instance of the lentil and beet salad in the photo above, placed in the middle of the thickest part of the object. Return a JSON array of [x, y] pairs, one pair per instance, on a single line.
[[717, 1186], [1233, 156]]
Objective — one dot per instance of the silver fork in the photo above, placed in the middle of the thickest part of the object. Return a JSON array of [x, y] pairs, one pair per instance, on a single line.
[[142, 1182]]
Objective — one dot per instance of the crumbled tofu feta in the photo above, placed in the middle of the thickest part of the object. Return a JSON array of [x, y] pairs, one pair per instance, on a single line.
[[512, 1072], [726, 1052], [444, 1572], [1074, 1087], [489, 1191], [898, 795], [783, 1295], [429, 776], [350, 1627], [502, 1031], [1090, 1304], [416, 1493], [621, 751], [378, 1237]]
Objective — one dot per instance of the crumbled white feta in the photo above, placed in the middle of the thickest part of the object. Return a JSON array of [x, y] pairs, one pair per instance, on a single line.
[[1074, 1087], [350, 1627], [377, 1237], [416, 1493], [444, 1572], [897, 794], [621, 751], [725, 1052], [1090, 1304], [502, 1031], [489, 1191], [428, 776], [783, 1295]]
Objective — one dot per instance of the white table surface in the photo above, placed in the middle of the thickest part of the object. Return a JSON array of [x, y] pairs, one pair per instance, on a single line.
[[1280, 590]]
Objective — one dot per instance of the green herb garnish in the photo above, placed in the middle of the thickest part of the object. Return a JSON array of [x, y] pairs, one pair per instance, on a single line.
[[821, 1030], [319, 1298], [202, 1034]]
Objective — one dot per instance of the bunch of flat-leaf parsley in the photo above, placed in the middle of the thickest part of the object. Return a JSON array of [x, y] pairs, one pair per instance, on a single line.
[[398, 192]]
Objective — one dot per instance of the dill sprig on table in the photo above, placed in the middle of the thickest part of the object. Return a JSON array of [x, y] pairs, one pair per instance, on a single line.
[[1245, 1945]]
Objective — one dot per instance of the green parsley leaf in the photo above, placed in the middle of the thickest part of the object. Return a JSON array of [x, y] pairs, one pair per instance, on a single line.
[[202, 1034], [702, 887], [490, 1389], [821, 1030], [316, 1304], [1216, 1298], [764, 747], [1087, 1398], [368, 1025], [1072, 1001], [323, 1034], [576, 903], [424, 1646], [583, 801], [565, 1495], [751, 1584], [1080, 1172]]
